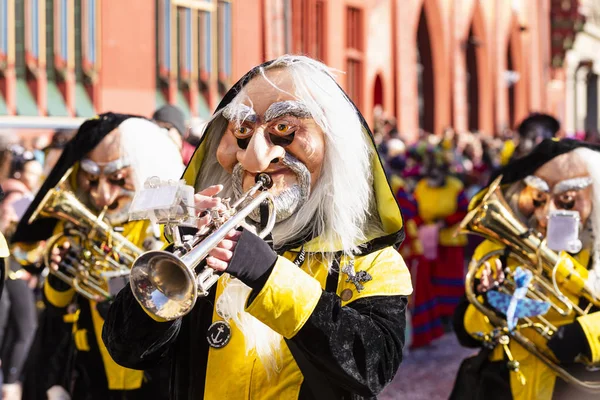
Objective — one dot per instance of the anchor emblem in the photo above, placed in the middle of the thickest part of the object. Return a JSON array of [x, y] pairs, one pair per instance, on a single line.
[[218, 334]]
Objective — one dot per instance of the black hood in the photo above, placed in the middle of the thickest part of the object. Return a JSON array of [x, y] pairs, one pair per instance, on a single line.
[[89, 135]]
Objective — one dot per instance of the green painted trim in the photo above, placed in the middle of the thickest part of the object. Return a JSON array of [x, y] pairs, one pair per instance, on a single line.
[[55, 101], [203, 108], [83, 103], [3, 109], [160, 99], [183, 104], [26, 104]]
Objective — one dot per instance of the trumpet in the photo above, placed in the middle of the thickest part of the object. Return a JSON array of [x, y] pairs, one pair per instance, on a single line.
[[102, 252], [493, 219], [166, 284]]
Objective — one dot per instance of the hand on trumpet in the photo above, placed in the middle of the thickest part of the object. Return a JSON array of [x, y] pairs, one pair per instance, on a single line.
[[58, 254], [491, 279], [220, 256]]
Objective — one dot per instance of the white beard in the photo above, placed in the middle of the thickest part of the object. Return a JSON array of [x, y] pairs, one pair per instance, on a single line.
[[258, 336]]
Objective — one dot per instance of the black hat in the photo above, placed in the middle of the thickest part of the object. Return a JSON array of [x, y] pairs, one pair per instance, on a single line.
[[540, 155], [173, 115], [538, 124]]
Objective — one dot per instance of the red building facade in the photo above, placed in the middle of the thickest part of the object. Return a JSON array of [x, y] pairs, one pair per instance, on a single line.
[[470, 64]]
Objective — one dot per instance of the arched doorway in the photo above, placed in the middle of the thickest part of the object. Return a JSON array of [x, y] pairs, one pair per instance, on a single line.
[[511, 86], [591, 115], [378, 91], [425, 76], [514, 77], [472, 82]]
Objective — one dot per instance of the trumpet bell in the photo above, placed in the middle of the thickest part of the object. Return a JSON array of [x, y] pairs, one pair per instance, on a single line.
[[165, 284]]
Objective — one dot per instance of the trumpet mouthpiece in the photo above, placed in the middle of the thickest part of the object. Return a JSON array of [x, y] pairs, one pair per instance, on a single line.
[[265, 179]]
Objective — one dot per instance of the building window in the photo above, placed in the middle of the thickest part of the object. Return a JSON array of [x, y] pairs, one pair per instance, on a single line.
[[85, 56], [280, 29], [4, 33], [354, 54], [62, 30], [308, 27], [89, 21], [224, 45], [204, 50], [20, 66], [32, 34], [194, 53]]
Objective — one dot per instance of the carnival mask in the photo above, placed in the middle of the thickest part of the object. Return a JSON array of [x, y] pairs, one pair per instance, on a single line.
[[271, 131], [105, 181], [561, 184]]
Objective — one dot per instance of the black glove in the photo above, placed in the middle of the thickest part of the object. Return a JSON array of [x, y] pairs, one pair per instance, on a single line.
[[569, 342]]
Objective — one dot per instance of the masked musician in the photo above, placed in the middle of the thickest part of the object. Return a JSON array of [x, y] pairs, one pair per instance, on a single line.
[[555, 176], [322, 313], [111, 156]]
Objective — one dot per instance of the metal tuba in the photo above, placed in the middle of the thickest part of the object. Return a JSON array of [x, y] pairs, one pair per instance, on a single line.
[[493, 219], [166, 284], [98, 253]]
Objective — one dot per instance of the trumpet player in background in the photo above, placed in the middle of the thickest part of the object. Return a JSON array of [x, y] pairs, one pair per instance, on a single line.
[[557, 178], [110, 157], [318, 309]]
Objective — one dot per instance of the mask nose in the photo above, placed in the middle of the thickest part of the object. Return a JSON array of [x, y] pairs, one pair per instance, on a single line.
[[103, 195], [260, 153]]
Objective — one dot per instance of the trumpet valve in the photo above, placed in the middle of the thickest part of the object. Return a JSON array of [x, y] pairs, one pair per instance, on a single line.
[[205, 280]]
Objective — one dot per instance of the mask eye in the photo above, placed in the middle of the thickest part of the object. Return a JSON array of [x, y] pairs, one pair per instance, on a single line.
[[565, 202], [539, 200], [242, 131], [282, 128], [93, 182], [117, 181]]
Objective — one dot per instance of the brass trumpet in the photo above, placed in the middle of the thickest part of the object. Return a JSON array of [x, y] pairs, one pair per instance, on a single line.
[[102, 252], [493, 219], [166, 284]]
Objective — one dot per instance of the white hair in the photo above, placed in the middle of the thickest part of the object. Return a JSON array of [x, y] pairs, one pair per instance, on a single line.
[[591, 159], [150, 151]]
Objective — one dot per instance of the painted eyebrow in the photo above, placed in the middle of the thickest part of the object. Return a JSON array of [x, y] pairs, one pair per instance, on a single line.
[[537, 183], [288, 107], [240, 113], [572, 184]]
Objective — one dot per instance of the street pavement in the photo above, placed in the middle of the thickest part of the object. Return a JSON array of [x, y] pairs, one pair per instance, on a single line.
[[428, 373]]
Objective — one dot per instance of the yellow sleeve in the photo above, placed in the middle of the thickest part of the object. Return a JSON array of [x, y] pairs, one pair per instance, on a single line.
[[287, 299], [591, 327]]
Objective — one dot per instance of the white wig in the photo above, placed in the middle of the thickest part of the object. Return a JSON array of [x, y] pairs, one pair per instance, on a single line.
[[150, 151], [341, 203]]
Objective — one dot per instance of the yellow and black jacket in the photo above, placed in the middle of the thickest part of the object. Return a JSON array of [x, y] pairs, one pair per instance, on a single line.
[[349, 348], [574, 336]]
